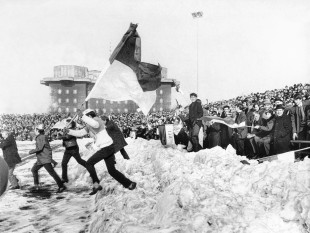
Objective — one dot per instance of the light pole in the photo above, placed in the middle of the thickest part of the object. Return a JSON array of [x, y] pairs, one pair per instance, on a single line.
[[197, 15]]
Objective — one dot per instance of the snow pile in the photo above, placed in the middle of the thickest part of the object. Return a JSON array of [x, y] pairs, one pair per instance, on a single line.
[[208, 191]]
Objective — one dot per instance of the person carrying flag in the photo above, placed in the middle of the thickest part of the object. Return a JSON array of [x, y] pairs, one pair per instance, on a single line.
[[104, 146]]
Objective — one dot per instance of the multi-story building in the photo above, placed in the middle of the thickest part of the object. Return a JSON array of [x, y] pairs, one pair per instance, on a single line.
[[71, 84]]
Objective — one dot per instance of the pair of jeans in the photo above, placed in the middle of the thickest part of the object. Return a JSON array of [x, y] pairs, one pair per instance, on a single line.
[[49, 168], [71, 152], [106, 153], [12, 178], [193, 135]]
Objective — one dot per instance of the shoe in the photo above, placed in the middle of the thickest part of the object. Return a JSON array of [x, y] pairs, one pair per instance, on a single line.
[[95, 190], [61, 189], [132, 186], [16, 187], [64, 181]]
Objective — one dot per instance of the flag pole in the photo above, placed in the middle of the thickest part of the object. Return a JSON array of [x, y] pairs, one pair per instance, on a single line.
[[75, 115]]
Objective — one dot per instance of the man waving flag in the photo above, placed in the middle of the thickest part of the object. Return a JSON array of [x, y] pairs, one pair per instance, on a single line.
[[125, 77]]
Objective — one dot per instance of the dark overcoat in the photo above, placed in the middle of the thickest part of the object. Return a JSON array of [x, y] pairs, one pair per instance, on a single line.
[[117, 136], [10, 152], [214, 135], [43, 150], [282, 134]]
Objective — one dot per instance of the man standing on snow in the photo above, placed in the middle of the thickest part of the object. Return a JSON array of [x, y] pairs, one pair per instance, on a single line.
[[103, 144], [11, 156], [195, 113]]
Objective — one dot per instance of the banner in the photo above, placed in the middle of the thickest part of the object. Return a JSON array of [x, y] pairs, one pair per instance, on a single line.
[[166, 134]]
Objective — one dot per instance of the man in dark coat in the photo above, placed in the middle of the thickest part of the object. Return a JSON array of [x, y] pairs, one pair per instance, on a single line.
[[214, 133], [226, 131], [240, 131], [117, 136], [299, 118], [282, 131], [194, 122], [11, 156]]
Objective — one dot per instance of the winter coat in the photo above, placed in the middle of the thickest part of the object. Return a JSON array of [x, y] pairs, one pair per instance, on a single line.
[[241, 131], [69, 141], [117, 136], [43, 150], [282, 134], [10, 152], [266, 128], [214, 135], [297, 123], [195, 113], [226, 133]]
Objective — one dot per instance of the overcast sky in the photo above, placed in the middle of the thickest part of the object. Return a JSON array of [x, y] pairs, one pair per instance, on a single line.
[[244, 45]]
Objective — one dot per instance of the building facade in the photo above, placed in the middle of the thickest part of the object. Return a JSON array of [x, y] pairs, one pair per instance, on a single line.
[[71, 84]]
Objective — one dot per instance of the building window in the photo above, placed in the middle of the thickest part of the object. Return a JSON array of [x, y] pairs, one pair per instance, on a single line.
[[111, 101], [75, 92], [161, 100], [126, 110], [160, 109], [59, 109], [111, 110], [104, 101], [67, 91], [97, 110], [154, 109], [118, 110], [75, 100], [59, 91], [126, 101], [59, 100], [161, 92], [97, 101], [104, 110], [67, 109], [67, 100], [119, 102], [74, 109]]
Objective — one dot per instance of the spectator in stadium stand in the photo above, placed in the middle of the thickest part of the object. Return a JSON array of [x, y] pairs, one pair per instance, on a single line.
[[299, 119], [263, 135], [226, 131], [250, 145], [282, 131], [195, 113], [214, 133], [241, 131], [245, 106], [11, 156]]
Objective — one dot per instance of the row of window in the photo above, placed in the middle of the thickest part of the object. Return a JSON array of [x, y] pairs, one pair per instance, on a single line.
[[75, 91], [103, 110], [67, 91], [67, 100]]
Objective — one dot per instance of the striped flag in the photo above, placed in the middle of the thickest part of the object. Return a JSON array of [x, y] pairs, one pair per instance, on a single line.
[[125, 77]]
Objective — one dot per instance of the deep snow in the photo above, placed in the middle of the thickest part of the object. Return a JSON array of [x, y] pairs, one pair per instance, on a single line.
[[208, 191]]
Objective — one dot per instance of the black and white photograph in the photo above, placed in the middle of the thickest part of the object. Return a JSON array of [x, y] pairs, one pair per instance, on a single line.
[[155, 116]]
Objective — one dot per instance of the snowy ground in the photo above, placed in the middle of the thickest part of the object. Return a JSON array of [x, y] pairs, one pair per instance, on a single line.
[[208, 191]]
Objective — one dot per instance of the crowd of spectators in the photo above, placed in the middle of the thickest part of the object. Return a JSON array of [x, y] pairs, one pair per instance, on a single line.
[[258, 110]]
